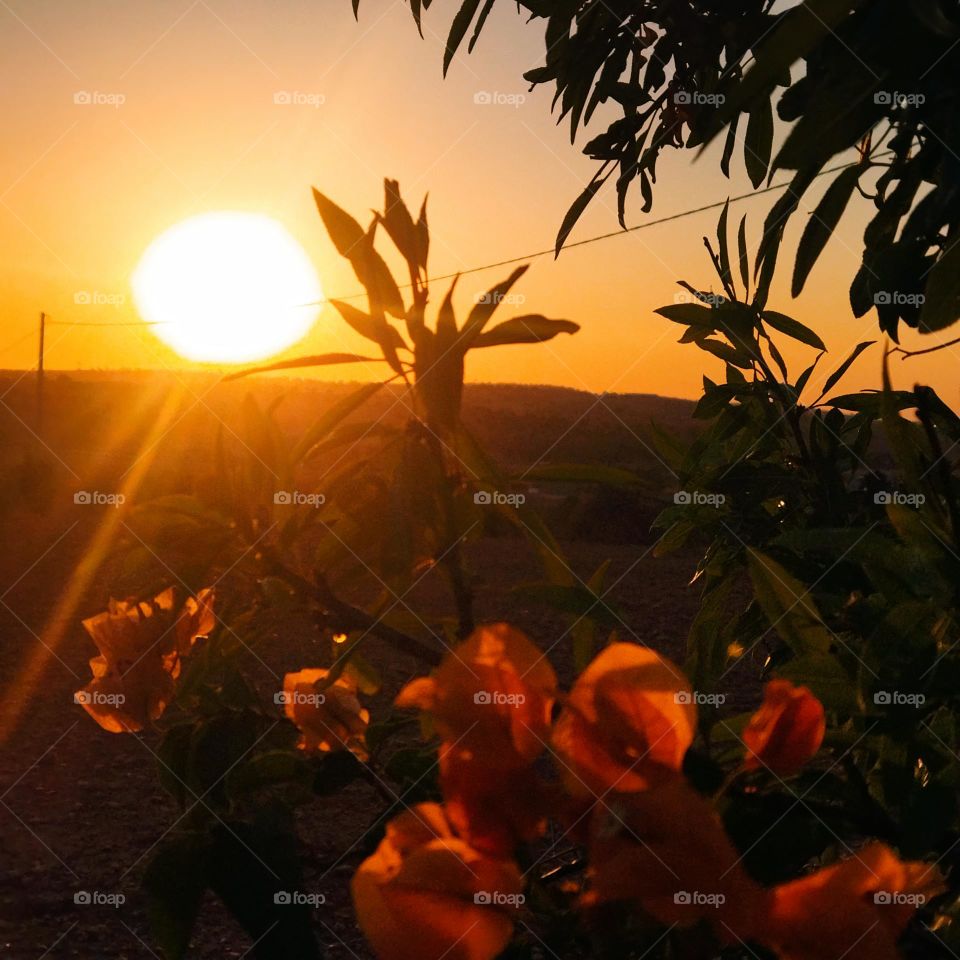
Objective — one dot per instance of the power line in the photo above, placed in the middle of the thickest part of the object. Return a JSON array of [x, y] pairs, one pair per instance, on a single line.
[[96, 323], [603, 236]]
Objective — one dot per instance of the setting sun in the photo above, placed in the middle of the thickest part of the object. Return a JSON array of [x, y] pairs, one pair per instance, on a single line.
[[227, 287]]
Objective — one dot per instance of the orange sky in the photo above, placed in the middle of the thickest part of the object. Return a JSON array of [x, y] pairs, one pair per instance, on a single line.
[[85, 187]]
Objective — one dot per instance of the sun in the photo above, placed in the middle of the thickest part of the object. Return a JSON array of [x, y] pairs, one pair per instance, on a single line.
[[227, 287]]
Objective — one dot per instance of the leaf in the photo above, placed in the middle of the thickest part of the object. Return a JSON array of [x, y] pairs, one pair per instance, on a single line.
[[347, 235], [575, 211], [788, 606], [690, 314], [837, 374], [333, 417], [398, 223], [174, 881], [481, 20], [792, 328], [530, 328], [574, 599], [726, 275], [759, 141], [583, 473], [458, 29], [744, 257], [316, 360], [823, 221], [482, 311], [373, 328], [941, 306]]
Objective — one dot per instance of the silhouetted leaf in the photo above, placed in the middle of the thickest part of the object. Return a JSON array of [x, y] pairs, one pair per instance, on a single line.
[[482, 311], [458, 29], [530, 328], [792, 328], [835, 377], [759, 141], [941, 306], [316, 360]]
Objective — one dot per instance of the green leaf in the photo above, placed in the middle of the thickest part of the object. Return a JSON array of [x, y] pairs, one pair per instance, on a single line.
[[823, 221], [792, 328], [837, 374], [317, 360], [788, 606], [759, 141], [333, 417], [530, 328], [941, 306]]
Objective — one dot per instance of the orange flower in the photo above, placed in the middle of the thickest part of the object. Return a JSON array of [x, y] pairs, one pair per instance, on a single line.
[[134, 673], [332, 719], [627, 722], [196, 619], [856, 909], [665, 848], [492, 805], [786, 731], [492, 695], [425, 894]]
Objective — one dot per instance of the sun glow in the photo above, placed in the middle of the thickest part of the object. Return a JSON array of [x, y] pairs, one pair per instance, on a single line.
[[227, 288]]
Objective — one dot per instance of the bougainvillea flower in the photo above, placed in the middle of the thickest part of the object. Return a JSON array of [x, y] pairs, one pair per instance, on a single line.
[[494, 806], [134, 673], [491, 695], [426, 894], [196, 619], [856, 909], [627, 722], [786, 731], [666, 849], [329, 719]]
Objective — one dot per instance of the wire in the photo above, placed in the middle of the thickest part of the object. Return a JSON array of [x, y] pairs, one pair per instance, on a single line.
[[603, 236], [95, 323]]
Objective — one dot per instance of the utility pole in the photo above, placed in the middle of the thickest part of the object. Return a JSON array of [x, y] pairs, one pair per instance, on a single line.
[[43, 323]]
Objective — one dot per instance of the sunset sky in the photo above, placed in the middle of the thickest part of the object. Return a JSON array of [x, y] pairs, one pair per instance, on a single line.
[[184, 121]]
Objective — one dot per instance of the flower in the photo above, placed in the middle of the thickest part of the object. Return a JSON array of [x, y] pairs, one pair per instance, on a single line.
[[196, 619], [856, 909], [134, 672], [786, 731], [491, 695], [492, 805], [332, 719], [627, 722], [426, 894], [666, 849]]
